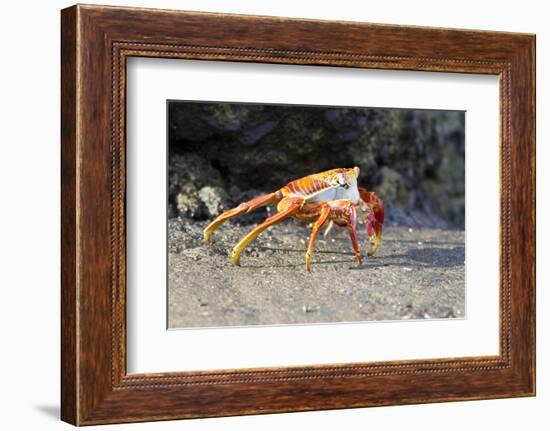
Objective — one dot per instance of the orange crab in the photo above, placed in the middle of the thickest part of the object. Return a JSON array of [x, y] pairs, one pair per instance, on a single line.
[[330, 196]]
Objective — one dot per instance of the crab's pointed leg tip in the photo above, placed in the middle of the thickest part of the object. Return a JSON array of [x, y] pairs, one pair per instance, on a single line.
[[236, 258]]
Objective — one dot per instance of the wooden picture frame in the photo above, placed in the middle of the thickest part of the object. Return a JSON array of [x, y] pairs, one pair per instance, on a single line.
[[95, 43]]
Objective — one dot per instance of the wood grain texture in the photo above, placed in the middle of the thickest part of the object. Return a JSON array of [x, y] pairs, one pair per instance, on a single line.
[[69, 397], [96, 41]]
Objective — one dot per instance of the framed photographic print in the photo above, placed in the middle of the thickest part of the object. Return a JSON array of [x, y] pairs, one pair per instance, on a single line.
[[264, 214]]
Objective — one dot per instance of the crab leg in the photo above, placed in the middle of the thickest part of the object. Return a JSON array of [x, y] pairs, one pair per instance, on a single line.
[[351, 219], [243, 208], [325, 212], [294, 205], [328, 229], [344, 213]]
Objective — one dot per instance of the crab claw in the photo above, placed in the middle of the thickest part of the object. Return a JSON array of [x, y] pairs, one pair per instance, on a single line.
[[374, 232], [374, 244], [374, 207]]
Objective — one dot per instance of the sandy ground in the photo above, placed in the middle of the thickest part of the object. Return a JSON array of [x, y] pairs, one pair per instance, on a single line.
[[416, 274]]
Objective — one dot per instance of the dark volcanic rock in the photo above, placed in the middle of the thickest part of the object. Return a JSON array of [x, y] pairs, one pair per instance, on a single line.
[[414, 159]]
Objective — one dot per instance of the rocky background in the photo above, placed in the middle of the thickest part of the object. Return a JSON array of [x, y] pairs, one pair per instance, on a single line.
[[221, 154]]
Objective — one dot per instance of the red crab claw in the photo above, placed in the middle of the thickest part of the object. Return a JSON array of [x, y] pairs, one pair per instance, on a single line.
[[374, 208]]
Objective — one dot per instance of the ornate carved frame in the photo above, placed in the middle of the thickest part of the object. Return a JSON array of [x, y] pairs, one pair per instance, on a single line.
[[95, 42]]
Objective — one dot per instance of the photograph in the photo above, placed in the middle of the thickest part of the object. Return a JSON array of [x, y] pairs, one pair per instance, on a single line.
[[286, 214], [274, 209]]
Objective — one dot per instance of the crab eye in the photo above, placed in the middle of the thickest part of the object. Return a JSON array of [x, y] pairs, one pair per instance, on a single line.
[[340, 180]]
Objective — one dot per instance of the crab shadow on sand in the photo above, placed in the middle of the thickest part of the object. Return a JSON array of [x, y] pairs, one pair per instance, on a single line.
[[427, 257]]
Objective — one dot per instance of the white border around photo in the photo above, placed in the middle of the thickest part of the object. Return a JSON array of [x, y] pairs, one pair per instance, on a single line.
[[153, 348]]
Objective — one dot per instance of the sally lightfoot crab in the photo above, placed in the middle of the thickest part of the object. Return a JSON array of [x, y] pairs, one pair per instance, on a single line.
[[331, 197]]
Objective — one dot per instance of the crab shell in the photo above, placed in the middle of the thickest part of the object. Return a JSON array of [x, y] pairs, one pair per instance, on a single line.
[[326, 186]]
